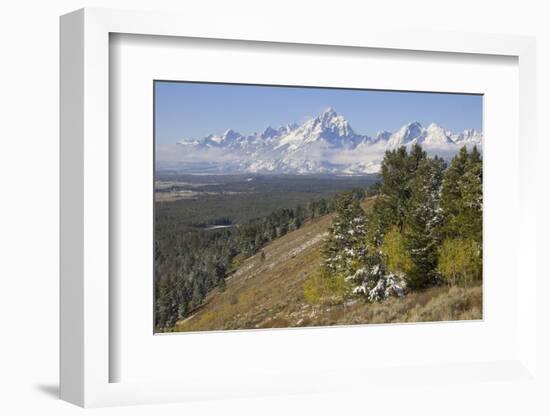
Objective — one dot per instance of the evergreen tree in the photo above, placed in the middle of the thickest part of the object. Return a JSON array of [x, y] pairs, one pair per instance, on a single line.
[[373, 189], [197, 296], [399, 170], [222, 285], [167, 312], [391, 207], [460, 257], [423, 220], [461, 196], [351, 264], [472, 197], [344, 250]]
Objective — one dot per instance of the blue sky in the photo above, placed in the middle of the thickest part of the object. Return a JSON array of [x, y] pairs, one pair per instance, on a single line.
[[193, 110]]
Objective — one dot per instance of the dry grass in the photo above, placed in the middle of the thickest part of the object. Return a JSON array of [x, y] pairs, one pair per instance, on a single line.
[[436, 304], [269, 293]]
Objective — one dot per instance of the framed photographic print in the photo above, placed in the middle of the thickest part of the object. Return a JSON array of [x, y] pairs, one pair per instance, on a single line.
[[288, 213], [310, 223]]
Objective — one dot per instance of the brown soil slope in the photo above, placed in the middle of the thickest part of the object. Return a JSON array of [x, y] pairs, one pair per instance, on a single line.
[[268, 293]]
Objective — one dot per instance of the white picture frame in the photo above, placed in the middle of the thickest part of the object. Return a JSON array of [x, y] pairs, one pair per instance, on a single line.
[[85, 352]]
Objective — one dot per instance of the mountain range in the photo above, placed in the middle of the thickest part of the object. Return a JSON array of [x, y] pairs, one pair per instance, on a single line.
[[325, 144]]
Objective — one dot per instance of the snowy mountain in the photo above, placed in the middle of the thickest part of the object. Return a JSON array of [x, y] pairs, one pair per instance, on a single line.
[[323, 144]]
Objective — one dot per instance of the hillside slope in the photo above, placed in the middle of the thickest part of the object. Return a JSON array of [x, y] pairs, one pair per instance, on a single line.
[[266, 291]]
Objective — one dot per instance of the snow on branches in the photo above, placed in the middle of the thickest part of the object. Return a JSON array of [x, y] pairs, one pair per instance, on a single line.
[[348, 255]]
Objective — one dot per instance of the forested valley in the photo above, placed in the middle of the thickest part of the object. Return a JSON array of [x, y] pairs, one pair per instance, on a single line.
[[194, 257]]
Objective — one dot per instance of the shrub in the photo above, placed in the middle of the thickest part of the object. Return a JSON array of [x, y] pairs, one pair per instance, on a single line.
[[324, 288]]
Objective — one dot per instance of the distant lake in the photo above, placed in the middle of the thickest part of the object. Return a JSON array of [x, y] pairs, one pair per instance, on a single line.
[[217, 227]]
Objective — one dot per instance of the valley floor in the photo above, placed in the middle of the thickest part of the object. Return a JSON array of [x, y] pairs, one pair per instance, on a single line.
[[266, 291]]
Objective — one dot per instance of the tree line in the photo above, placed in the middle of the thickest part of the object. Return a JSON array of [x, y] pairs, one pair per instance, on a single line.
[[424, 229]]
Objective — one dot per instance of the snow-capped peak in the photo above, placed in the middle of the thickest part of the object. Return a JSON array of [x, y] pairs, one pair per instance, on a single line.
[[331, 125], [409, 133], [469, 136], [382, 135], [328, 113], [269, 132], [328, 130], [288, 128], [413, 129], [436, 135], [230, 134]]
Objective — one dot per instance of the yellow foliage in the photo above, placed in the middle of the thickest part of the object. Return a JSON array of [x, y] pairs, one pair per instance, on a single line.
[[398, 259], [322, 288], [460, 261]]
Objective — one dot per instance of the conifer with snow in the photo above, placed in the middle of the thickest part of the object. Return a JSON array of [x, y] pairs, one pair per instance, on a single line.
[[345, 250], [424, 215], [424, 218]]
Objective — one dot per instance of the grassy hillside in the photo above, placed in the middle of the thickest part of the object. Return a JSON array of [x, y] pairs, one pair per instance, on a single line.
[[266, 291]]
